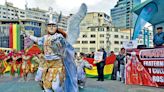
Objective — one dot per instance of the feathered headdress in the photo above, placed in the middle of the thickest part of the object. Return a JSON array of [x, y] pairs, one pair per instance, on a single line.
[[52, 18]]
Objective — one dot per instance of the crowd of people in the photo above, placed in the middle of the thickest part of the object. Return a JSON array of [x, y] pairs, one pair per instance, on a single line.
[[57, 68], [119, 64], [19, 64]]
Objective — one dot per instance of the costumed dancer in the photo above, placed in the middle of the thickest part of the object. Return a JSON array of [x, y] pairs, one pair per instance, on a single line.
[[42, 66], [25, 65], [81, 65], [59, 54], [34, 63], [7, 63], [13, 63], [35, 60], [19, 64], [2, 63], [2, 67], [42, 69]]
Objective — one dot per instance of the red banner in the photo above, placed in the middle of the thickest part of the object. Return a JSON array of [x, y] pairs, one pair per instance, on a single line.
[[146, 67]]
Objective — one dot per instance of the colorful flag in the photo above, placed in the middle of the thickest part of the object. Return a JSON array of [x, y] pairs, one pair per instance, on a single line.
[[108, 69], [14, 37]]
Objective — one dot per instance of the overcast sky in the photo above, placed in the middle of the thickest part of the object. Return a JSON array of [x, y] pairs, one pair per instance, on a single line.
[[66, 6]]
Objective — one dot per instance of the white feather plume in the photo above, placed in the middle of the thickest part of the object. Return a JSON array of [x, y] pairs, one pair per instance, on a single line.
[[73, 29]]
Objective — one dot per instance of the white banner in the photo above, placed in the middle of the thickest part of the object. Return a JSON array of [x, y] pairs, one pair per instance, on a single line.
[[130, 44], [98, 56]]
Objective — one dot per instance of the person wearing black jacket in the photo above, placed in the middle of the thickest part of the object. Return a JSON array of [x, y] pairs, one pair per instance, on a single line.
[[100, 66]]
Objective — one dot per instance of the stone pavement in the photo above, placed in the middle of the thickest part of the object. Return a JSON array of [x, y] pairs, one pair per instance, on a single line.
[[7, 85], [117, 86]]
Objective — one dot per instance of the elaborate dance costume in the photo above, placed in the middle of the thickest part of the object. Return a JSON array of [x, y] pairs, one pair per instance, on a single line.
[[2, 68], [81, 64], [26, 65], [13, 64], [60, 72]]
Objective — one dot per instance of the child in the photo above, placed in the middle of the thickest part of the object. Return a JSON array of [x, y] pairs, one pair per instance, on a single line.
[[81, 64]]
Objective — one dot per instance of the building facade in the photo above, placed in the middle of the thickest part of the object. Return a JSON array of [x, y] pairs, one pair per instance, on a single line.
[[9, 12], [33, 20], [145, 37], [32, 26], [97, 32], [121, 14]]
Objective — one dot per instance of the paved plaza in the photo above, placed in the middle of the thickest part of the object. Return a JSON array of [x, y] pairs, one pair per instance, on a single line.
[[15, 85]]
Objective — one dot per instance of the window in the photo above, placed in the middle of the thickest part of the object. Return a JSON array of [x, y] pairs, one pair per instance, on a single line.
[[121, 42], [122, 36], [92, 42], [108, 35], [77, 49], [101, 29], [4, 16], [22, 12], [107, 28], [22, 16], [92, 29], [84, 36], [116, 30], [127, 37], [100, 15], [92, 49], [115, 36], [101, 41], [93, 36], [77, 42], [116, 42], [84, 49], [116, 49], [84, 42], [101, 35]]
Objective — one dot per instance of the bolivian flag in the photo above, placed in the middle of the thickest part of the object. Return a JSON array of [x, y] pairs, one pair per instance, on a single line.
[[14, 37], [108, 69]]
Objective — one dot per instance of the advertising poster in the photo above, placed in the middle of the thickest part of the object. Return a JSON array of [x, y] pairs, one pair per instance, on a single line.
[[146, 68]]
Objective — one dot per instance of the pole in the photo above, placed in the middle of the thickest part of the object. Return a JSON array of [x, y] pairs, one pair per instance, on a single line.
[[148, 38], [144, 38]]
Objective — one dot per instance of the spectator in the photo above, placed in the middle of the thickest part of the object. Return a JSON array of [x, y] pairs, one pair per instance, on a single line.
[[158, 39], [92, 55], [115, 68], [100, 66], [121, 64]]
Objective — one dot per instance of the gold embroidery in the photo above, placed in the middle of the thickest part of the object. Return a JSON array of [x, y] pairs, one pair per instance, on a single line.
[[54, 67]]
